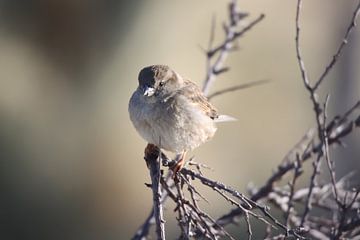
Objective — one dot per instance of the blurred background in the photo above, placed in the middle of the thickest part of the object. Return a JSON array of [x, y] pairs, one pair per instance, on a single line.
[[71, 164]]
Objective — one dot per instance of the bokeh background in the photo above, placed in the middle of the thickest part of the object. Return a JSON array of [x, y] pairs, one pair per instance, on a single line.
[[71, 164]]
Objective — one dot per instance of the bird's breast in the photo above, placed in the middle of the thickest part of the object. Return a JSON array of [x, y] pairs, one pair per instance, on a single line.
[[171, 123]]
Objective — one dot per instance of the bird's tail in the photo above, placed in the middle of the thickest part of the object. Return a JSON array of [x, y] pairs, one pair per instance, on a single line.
[[225, 118]]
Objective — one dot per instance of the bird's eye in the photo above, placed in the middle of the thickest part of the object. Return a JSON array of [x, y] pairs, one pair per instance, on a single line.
[[161, 84]]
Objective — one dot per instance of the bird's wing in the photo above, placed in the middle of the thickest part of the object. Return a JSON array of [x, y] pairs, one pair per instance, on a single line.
[[196, 97]]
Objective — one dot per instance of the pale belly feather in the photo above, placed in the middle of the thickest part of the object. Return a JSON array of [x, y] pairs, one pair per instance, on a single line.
[[173, 127]]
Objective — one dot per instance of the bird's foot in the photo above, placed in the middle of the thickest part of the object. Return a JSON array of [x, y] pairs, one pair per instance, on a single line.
[[179, 164]]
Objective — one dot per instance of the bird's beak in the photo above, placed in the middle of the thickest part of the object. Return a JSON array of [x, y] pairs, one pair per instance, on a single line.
[[149, 91]]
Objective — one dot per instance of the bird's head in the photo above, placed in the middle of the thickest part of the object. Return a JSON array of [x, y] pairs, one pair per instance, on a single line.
[[158, 80]]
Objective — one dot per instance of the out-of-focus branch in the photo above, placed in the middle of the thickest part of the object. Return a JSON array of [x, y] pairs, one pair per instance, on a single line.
[[237, 87], [216, 56], [297, 172]]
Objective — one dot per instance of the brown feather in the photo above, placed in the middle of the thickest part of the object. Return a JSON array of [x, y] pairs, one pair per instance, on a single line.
[[195, 95]]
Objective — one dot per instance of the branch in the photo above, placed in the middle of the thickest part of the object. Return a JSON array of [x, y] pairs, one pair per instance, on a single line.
[[335, 132], [196, 223], [246, 203], [320, 112], [341, 47], [143, 230], [237, 87], [152, 158], [297, 172], [215, 67]]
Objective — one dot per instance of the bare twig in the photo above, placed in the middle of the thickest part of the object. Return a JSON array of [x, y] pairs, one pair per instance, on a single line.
[[297, 172], [341, 47], [298, 51], [329, 163], [237, 87], [308, 204], [216, 66], [245, 211]]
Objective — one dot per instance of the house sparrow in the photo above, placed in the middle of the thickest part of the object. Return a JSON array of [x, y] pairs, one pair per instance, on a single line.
[[171, 112]]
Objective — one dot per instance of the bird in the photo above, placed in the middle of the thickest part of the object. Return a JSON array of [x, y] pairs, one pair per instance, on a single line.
[[172, 113]]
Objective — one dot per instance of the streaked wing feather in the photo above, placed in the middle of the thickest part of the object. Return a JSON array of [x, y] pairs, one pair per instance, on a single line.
[[193, 92]]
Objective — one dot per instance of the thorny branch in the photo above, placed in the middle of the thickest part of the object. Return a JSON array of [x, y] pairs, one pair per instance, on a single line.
[[339, 202]]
